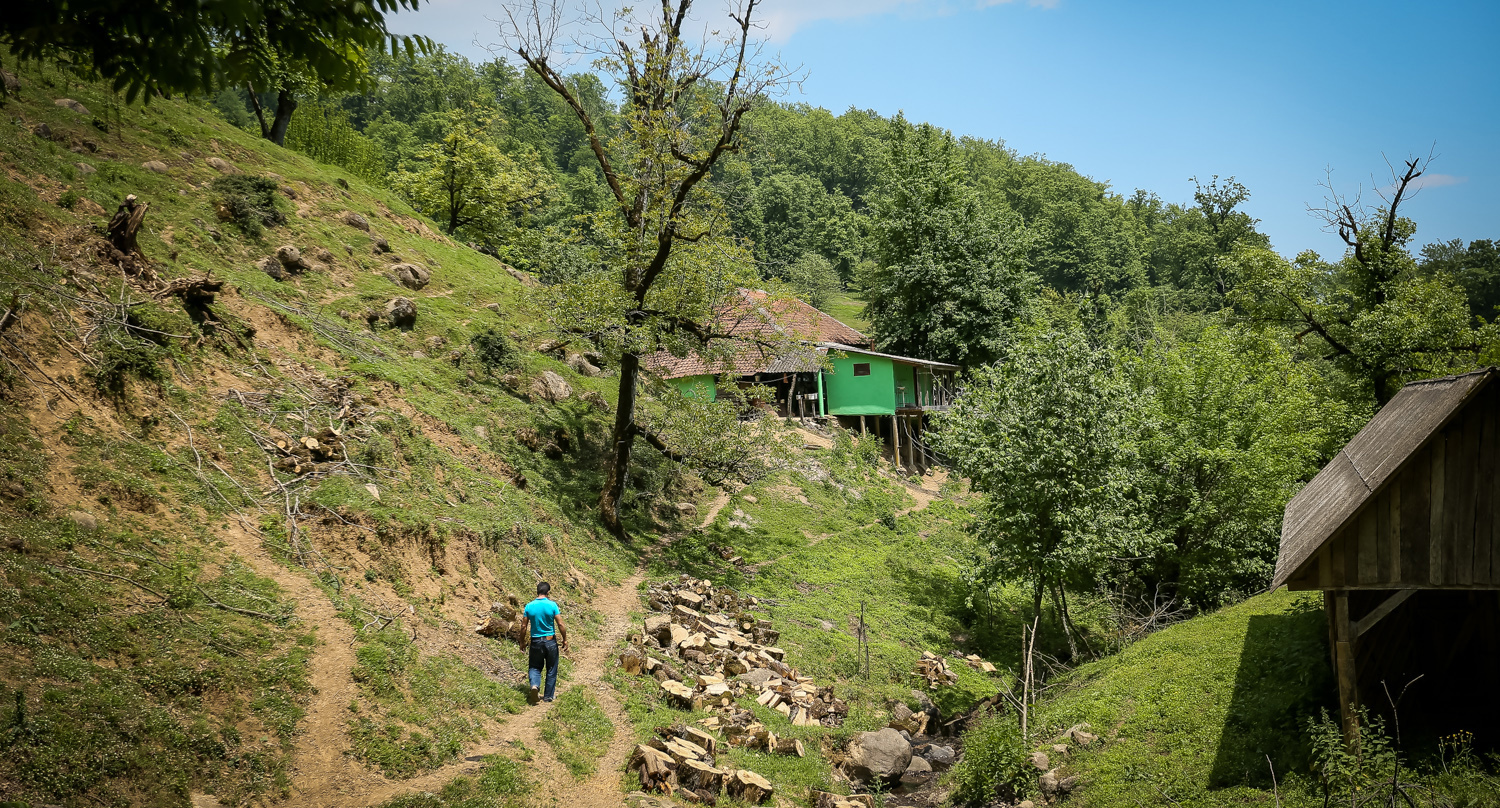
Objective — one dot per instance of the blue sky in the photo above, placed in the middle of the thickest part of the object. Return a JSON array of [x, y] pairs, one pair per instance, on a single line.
[[1147, 94]]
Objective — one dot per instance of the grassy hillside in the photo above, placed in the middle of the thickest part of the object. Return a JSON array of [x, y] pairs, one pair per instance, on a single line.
[[171, 603]]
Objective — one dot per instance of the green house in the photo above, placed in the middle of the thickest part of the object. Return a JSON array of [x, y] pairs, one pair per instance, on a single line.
[[864, 382]]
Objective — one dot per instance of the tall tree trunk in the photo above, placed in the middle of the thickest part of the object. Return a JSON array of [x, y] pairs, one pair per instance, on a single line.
[[1062, 617], [286, 104], [622, 440], [260, 114]]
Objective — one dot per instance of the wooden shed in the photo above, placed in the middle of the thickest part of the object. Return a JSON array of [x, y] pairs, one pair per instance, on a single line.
[[1401, 532]]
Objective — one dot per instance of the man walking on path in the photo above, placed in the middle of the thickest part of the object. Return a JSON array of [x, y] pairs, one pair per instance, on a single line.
[[543, 625]]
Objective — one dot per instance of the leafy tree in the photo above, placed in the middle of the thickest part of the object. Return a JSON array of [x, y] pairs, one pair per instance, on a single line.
[[1188, 245], [190, 47], [467, 186], [814, 280], [671, 262], [1229, 425], [1044, 434], [1372, 314], [950, 270], [1477, 270]]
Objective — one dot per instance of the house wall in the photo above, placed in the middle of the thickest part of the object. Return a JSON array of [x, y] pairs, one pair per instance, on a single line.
[[1434, 524], [698, 387], [848, 394]]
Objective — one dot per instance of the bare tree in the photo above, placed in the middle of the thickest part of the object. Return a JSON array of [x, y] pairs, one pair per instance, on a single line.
[[684, 105]]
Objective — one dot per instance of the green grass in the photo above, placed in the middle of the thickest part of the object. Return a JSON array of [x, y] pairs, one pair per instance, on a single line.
[[504, 783], [578, 730], [848, 309], [422, 710], [1193, 711]]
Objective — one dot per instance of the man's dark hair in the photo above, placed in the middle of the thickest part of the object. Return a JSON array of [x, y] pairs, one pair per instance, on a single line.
[[543, 588]]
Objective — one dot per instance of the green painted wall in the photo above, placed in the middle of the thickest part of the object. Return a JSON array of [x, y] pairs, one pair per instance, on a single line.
[[874, 394], [695, 386]]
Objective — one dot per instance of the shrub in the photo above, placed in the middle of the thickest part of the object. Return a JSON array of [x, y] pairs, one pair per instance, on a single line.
[[118, 362], [495, 351], [68, 199], [247, 202], [993, 764]]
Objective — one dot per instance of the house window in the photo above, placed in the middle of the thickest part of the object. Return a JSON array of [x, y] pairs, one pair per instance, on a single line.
[[861, 368]]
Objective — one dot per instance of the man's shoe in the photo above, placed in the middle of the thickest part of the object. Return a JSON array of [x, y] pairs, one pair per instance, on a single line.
[[549, 701], [532, 693]]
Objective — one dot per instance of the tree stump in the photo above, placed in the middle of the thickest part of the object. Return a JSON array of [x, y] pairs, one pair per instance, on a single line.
[[125, 224], [746, 785]]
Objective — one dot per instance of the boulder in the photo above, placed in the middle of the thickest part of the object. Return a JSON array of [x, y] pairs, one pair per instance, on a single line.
[[68, 103], [1080, 735], [412, 276], [686, 509], [917, 772], [272, 267], [550, 387], [12, 84], [1039, 761], [1047, 783], [42, 131], [380, 246], [155, 165], [324, 255], [291, 259], [221, 165], [84, 521], [881, 755], [582, 366], [401, 312], [356, 221], [941, 757], [85, 169]]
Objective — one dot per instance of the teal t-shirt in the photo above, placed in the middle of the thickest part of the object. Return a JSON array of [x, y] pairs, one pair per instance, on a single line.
[[542, 613]]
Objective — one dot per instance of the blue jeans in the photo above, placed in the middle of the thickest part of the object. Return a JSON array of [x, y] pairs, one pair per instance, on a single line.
[[543, 651]]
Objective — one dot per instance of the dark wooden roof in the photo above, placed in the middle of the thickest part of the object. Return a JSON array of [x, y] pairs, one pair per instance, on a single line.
[[1372, 458]]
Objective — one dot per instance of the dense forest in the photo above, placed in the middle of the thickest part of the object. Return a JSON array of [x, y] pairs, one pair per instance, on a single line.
[[1207, 376]]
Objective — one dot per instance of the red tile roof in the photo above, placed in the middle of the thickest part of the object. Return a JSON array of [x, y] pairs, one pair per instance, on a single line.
[[763, 322]]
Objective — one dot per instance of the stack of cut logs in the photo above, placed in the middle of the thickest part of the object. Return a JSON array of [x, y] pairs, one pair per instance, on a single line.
[[932, 668], [680, 762], [713, 637], [504, 621], [978, 664]]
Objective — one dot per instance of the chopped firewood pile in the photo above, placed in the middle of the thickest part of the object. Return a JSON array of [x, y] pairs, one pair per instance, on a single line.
[[505, 621], [978, 664], [680, 762], [935, 670], [714, 635]]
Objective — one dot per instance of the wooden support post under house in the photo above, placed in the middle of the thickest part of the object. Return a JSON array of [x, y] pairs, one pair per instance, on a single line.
[[911, 444], [862, 432], [1341, 631], [896, 439]]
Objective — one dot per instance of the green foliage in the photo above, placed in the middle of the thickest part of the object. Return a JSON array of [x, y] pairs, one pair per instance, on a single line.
[[68, 200], [711, 437], [1476, 268], [994, 764], [200, 48], [495, 351], [1044, 435], [578, 731], [468, 186], [323, 132], [1230, 424], [247, 202], [950, 275], [814, 280], [118, 362], [1347, 771]]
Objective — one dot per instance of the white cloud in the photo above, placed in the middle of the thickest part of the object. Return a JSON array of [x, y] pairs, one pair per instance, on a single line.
[[784, 17], [1437, 181]]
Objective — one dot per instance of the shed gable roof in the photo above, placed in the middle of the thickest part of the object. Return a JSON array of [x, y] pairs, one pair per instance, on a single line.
[[1373, 457]]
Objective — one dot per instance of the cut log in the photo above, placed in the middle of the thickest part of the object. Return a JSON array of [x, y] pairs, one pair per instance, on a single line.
[[743, 784], [701, 738], [700, 776], [790, 746]]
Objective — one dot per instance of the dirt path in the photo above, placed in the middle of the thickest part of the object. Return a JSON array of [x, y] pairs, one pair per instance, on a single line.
[[323, 776]]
